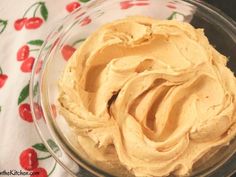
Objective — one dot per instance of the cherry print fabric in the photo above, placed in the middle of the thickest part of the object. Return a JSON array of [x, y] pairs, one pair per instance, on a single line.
[[24, 25]]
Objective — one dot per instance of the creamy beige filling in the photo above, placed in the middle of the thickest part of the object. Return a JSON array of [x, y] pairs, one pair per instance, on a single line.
[[155, 92]]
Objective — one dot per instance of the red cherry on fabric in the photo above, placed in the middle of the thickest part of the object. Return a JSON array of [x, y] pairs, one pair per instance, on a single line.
[[28, 159], [38, 111], [85, 21], [126, 4], [67, 51], [19, 23], [39, 67], [171, 6], [33, 23], [39, 172], [72, 6], [54, 110], [25, 112], [27, 65], [3, 78], [141, 4], [22, 53]]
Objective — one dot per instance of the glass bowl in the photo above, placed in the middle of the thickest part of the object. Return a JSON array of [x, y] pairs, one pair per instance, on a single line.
[[71, 31]]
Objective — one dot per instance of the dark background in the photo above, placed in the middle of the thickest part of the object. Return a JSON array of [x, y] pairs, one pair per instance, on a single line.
[[227, 6], [215, 34]]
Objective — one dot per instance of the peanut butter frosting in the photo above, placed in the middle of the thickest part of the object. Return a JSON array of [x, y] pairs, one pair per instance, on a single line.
[[151, 94]]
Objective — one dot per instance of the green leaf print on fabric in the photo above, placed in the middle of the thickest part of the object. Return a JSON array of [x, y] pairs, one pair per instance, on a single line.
[[44, 12], [23, 94]]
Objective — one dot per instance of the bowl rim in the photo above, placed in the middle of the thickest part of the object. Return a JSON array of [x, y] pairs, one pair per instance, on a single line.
[[223, 18]]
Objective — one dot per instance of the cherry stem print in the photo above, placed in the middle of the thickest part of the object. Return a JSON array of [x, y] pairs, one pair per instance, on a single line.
[[4, 24], [43, 158], [36, 9], [37, 3], [1, 70], [34, 50], [55, 164]]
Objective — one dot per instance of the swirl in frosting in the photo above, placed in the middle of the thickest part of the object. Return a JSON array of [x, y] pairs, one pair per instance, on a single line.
[[154, 95]]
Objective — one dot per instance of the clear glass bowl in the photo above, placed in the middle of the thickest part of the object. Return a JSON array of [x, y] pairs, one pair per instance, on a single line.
[[72, 30]]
